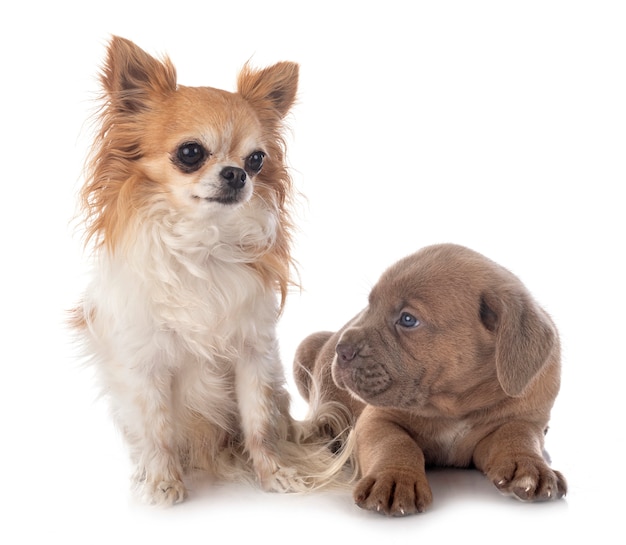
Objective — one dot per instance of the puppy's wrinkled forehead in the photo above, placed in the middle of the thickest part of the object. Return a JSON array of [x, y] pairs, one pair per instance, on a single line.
[[433, 275]]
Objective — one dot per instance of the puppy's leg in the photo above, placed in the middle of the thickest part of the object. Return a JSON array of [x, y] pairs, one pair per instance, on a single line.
[[511, 457], [264, 409], [392, 466]]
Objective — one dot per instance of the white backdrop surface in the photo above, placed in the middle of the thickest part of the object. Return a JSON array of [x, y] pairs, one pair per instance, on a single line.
[[498, 125]]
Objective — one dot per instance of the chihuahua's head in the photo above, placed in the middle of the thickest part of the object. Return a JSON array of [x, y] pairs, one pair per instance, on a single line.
[[199, 151]]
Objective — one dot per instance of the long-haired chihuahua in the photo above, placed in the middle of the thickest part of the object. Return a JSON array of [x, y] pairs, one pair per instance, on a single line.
[[186, 210]]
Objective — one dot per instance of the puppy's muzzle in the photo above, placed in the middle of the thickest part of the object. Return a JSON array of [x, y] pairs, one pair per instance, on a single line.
[[360, 374]]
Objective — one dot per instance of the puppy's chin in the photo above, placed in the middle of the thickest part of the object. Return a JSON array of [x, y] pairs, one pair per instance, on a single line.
[[371, 383]]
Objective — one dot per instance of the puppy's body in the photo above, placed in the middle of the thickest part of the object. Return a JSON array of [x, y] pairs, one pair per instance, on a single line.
[[451, 364], [186, 205]]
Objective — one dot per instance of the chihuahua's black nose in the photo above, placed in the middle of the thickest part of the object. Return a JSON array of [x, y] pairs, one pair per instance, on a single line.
[[346, 352], [234, 177]]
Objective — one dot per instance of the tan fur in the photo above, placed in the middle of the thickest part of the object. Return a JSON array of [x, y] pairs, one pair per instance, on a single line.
[[470, 384]]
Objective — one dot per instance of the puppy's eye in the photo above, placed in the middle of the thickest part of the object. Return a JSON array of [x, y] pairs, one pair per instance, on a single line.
[[407, 320], [254, 162], [191, 155]]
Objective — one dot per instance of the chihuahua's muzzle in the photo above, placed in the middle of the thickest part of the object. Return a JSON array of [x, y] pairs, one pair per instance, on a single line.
[[234, 180]]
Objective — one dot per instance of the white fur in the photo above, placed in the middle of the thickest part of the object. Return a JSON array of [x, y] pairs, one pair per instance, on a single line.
[[181, 327], [449, 437]]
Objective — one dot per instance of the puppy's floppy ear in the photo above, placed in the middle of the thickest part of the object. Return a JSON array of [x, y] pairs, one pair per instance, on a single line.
[[130, 75], [525, 336], [273, 87]]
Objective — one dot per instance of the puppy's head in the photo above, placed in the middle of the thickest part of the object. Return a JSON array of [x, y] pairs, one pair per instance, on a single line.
[[446, 331]]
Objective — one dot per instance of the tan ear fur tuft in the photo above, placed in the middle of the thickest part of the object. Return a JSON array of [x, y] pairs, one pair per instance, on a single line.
[[274, 86], [130, 75]]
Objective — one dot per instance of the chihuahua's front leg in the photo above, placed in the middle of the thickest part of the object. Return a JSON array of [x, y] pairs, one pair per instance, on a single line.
[[264, 408], [144, 413], [393, 478]]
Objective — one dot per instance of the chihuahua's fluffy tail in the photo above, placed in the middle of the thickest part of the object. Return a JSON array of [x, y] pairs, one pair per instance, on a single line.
[[322, 451], [317, 454], [324, 441]]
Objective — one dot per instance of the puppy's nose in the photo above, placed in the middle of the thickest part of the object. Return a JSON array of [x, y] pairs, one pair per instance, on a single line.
[[234, 177], [346, 352]]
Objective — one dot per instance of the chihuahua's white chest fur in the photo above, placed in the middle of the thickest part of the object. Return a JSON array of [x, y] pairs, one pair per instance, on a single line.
[[178, 325]]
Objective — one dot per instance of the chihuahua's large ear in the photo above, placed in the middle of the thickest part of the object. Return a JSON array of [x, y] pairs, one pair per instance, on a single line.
[[525, 336], [273, 87], [130, 75]]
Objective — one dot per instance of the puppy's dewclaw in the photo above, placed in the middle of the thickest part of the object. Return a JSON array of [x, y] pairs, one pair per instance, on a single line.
[[452, 363]]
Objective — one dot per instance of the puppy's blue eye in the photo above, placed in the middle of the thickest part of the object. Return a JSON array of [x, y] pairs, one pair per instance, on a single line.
[[254, 162], [407, 320]]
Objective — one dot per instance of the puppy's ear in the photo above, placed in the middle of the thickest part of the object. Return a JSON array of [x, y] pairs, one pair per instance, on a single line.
[[130, 76], [271, 88], [525, 336]]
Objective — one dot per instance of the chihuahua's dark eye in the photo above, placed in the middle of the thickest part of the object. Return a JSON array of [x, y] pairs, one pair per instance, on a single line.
[[254, 162], [407, 320], [191, 155]]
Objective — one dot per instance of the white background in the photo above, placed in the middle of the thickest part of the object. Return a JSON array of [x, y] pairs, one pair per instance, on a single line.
[[498, 125]]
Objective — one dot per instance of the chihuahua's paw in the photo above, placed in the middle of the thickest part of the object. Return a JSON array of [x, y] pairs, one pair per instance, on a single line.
[[159, 492], [392, 493], [166, 493], [528, 479], [274, 477], [284, 480]]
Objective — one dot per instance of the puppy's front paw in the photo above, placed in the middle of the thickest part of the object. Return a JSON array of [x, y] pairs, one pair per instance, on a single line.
[[528, 479], [395, 494]]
